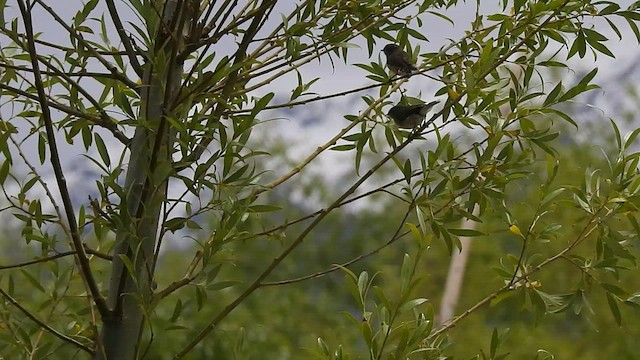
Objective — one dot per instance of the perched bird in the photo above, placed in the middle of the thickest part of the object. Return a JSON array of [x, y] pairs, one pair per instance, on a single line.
[[398, 61], [410, 116]]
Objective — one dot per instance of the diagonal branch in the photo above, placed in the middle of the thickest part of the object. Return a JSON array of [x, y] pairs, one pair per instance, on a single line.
[[80, 74], [592, 225], [112, 69], [259, 280], [396, 236], [109, 125], [83, 261], [231, 82], [300, 239], [131, 53], [56, 256], [42, 324], [62, 47]]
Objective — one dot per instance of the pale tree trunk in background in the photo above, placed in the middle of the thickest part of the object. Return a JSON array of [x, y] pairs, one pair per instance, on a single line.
[[145, 191], [455, 277]]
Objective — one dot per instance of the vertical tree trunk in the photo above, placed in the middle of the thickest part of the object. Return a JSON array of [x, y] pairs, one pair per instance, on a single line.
[[145, 191], [455, 277]]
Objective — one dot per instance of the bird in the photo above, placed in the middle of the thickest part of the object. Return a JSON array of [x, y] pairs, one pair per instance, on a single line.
[[410, 116], [398, 60]]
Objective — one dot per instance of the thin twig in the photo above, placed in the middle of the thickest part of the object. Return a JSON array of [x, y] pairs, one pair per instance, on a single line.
[[131, 53], [256, 283], [397, 236], [64, 48], [80, 74], [275, 262], [114, 71], [586, 232], [229, 85], [42, 324], [56, 256], [111, 126], [83, 261]]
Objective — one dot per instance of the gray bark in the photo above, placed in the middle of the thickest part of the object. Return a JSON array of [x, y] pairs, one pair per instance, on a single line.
[[145, 191]]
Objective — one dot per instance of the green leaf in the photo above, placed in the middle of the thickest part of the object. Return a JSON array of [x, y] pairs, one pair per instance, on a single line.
[[382, 297], [201, 297], [81, 16], [261, 208], [367, 333], [503, 295], [617, 134], [175, 224], [324, 349], [363, 282], [4, 171], [582, 86], [579, 46], [466, 232], [42, 147], [177, 310], [236, 175], [409, 305], [415, 233], [222, 285], [615, 310], [261, 104], [551, 63], [629, 139], [29, 184], [343, 147], [551, 98], [102, 150], [406, 273], [615, 290], [35, 283], [551, 196], [495, 341]]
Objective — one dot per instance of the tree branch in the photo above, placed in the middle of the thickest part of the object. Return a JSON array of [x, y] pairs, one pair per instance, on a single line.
[[231, 82], [396, 236], [64, 48], [83, 261], [256, 283], [41, 323], [586, 232], [56, 256], [131, 53], [114, 71], [109, 125]]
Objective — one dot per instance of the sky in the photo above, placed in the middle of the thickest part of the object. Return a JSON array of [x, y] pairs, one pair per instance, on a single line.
[[302, 129], [320, 121]]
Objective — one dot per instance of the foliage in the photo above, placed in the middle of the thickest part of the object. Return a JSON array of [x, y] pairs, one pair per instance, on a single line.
[[169, 118]]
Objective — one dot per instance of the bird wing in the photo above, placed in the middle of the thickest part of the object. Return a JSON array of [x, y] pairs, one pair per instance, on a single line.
[[407, 61]]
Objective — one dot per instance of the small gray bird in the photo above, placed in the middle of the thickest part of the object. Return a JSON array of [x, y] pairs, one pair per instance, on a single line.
[[398, 61], [410, 116]]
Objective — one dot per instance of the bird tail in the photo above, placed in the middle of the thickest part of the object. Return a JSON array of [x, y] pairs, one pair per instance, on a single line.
[[425, 109]]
